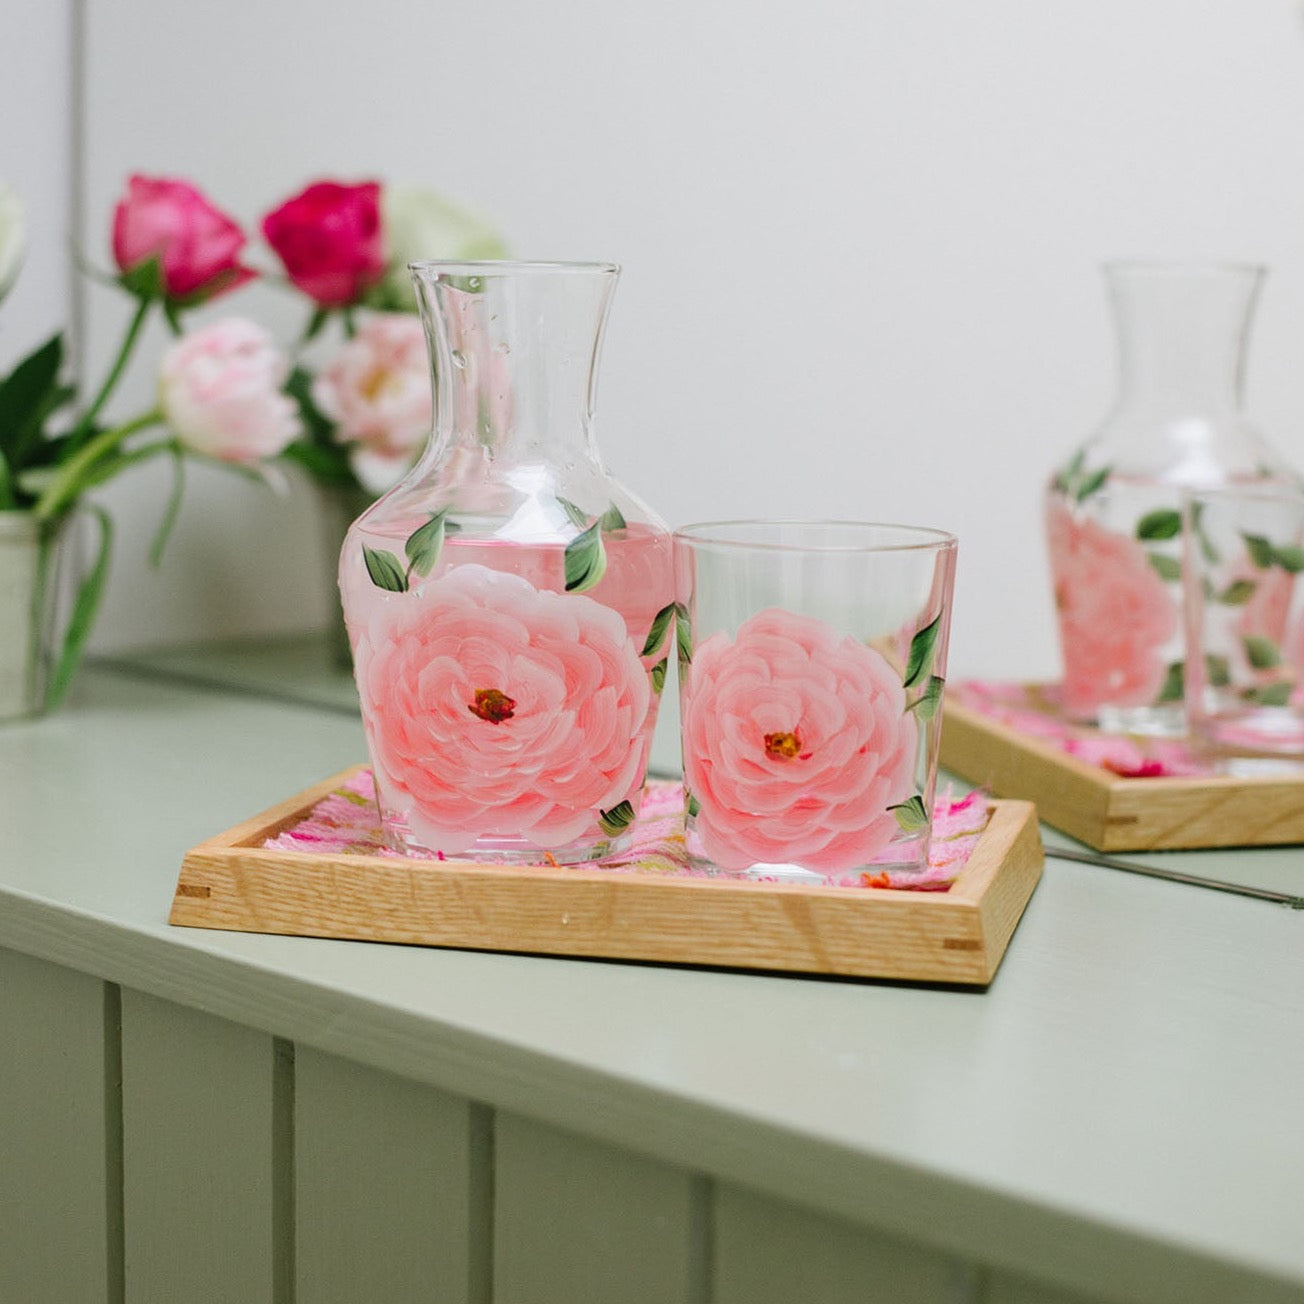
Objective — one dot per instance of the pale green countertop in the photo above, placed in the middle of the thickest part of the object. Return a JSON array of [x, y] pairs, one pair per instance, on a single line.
[[1119, 1111]]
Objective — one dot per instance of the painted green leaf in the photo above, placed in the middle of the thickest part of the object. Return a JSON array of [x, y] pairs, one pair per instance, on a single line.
[[683, 634], [659, 675], [1217, 670], [1161, 524], [657, 633], [1259, 548], [1093, 483], [1065, 479], [1174, 687], [1237, 593], [1289, 558], [1167, 568], [611, 519], [423, 544], [578, 516], [385, 569], [1262, 653], [911, 815], [617, 818], [1211, 554], [692, 805], [922, 647], [1269, 694], [926, 705], [586, 560]]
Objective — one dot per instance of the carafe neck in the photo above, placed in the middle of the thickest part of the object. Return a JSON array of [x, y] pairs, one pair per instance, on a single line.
[[1182, 331]]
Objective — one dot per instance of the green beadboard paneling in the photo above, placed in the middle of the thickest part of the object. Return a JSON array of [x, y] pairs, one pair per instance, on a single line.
[[384, 1188], [767, 1252], [577, 1222], [198, 1107], [56, 1196]]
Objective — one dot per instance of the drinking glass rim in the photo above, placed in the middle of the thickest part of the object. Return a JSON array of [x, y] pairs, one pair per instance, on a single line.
[[489, 266], [925, 538]]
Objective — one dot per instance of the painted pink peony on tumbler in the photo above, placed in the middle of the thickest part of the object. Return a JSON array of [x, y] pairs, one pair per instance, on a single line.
[[509, 603], [812, 667]]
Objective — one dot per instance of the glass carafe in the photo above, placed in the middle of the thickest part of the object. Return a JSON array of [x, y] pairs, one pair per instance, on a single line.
[[509, 603], [1114, 510]]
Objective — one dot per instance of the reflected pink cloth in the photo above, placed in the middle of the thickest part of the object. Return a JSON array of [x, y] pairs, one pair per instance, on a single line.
[[347, 823], [1035, 712]]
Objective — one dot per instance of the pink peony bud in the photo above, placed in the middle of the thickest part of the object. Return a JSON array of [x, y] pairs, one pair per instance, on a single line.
[[330, 239], [377, 390], [197, 245], [219, 388]]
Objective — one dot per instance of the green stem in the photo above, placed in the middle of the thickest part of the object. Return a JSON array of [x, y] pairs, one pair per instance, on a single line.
[[63, 490], [87, 421]]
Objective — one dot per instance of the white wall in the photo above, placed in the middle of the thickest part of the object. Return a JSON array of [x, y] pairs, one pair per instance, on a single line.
[[860, 238]]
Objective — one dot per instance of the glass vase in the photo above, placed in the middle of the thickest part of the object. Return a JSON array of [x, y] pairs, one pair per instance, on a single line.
[[39, 561], [1114, 510], [509, 602]]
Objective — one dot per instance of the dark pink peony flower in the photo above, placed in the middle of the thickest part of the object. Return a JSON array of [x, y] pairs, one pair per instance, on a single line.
[[796, 743], [330, 239], [197, 245], [495, 708]]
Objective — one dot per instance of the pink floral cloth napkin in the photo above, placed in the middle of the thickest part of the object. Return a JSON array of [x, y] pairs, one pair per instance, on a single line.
[[347, 823], [1034, 710]]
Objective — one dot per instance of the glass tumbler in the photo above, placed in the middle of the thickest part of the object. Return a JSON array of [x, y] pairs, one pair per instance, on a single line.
[[812, 663], [1244, 550]]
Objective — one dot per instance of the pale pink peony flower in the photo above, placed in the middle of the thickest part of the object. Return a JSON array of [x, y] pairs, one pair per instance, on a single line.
[[1115, 614], [377, 390], [219, 389], [494, 708], [796, 742]]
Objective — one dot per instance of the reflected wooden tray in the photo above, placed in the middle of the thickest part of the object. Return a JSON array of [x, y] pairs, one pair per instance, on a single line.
[[954, 936], [1112, 813]]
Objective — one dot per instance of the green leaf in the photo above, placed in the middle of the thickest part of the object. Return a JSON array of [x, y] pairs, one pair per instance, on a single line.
[[1161, 524], [576, 514], [616, 819], [1211, 554], [28, 395], [922, 647], [691, 804], [1289, 558], [1237, 593], [611, 519], [145, 280], [1262, 653], [84, 609], [385, 569], [657, 633], [423, 544], [683, 634], [658, 674], [8, 486], [1269, 694], [1093, 483], [1065, 480], [1218, 670], [586, 560], [911, 815], [1259, 548], [1174, 686], [1167, 568], [925, 706]]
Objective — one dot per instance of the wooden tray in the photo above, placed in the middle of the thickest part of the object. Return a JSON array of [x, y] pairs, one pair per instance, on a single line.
[[1111, 813], [957, 936]]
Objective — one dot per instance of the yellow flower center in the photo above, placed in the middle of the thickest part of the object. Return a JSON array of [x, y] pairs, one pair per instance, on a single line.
[[782, 746], [492, 705]]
